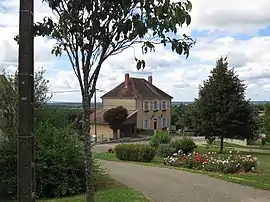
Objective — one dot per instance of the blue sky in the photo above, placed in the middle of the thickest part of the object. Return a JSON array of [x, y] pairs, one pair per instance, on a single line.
[[239, 29]]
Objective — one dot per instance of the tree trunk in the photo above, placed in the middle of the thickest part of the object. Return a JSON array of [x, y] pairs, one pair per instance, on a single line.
[[87, 149], [114, 134], [221, 144]]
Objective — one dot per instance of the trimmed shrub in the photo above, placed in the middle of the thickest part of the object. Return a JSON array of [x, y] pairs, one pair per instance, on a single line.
[[186, 145], [165, 150], [135, 152], [161, 137]]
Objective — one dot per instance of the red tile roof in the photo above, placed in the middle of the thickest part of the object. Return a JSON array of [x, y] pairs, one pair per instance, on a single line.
[[136, 88]]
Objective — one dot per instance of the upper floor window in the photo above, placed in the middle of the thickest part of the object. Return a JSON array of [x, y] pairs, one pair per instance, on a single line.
[[155, 105], [146, 105], [163, 104]]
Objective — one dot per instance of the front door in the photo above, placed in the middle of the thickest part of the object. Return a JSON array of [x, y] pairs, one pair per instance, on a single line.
[[155, 124]]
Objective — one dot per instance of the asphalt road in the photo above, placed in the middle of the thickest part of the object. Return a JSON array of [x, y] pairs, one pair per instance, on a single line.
[[168, 185]]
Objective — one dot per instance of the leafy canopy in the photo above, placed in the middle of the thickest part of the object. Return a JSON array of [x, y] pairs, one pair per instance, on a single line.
[[91, 31], [9, 99], [266, 121], [221, 106], [115, 117], [181, 117]]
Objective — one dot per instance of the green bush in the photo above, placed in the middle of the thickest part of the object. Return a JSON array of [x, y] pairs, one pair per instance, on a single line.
[[59, 117], [186, 145], [165, 150], [8, 169], [161, 137], [60, 164], [60, 169], [135, 152]]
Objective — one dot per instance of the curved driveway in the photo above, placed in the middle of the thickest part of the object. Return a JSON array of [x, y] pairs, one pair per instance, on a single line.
[[168, 185]]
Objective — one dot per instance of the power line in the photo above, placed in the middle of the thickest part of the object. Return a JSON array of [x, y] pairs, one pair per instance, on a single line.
[[73, 91]]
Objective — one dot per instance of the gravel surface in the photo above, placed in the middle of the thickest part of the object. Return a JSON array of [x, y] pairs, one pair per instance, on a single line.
[[168, 185]]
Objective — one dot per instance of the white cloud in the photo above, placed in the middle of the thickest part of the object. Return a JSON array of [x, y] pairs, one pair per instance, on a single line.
[[231, 16], [172, 73]]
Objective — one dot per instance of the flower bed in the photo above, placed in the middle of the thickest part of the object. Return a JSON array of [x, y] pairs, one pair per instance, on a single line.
[[213, 162]]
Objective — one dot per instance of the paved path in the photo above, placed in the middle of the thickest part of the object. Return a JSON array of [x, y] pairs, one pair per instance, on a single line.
[[168, 185]]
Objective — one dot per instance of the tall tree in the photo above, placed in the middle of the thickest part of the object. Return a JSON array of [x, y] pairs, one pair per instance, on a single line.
[[9, 99], [266, 121], [221, 105], [89, 32], [115, 117]]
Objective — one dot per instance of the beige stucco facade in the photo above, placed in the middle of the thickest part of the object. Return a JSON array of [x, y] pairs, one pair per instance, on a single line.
[[152, 115], [129, 104], [104, 132], [142, 115]]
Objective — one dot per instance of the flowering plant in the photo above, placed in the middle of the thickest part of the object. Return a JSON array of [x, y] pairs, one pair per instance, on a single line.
[[228, 163]]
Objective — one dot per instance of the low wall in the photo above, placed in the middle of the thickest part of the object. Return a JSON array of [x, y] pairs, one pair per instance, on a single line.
[[235, 141]]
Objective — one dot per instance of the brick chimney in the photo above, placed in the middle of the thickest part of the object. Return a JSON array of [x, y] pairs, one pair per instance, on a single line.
[[126, 80], [150, 79]]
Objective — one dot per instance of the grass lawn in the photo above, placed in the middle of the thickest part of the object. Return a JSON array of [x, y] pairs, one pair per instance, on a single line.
[[112, 192], [256, 145], [261, 179]]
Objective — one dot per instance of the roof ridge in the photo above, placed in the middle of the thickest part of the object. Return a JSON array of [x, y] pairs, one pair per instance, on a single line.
[[137, 87], [133, 86]]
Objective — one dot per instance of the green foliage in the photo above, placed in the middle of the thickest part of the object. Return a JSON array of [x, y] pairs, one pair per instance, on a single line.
[[41, 87], [9, 99], [181, 117], [263, 141], [221, 109], [59, 164], [57, 116], [161, 137], [115, 117], [119, 26], [210, 140], [266, 121], [135, 152], [186, 145], [165, 150], [58, 154], [8, 169]]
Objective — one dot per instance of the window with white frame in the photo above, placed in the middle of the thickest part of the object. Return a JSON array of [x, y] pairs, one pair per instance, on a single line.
[[145, 124], [163, 104], [164, 122], [155, 105], [146, 105]]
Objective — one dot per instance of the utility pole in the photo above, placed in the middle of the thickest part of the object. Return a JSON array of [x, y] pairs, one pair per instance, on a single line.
[[26, 141]]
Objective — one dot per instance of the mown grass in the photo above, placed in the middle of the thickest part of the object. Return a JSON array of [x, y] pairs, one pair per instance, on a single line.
[[120, 194], [260, 179], [109, 191], [256, 145]]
